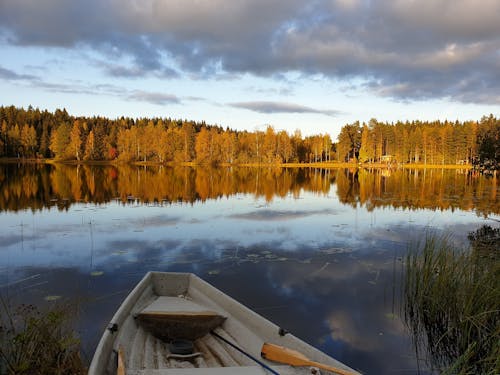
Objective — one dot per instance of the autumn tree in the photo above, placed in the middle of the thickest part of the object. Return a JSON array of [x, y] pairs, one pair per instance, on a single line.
[[285, 147], [188, 140], [489, 142], [14, 140], [90, 147], [228, 143], [59, 141], [366, 149], [3, 138], [75, 143], [125, 145], [349, 142], [28, 140], [268, 149], [203, 146]]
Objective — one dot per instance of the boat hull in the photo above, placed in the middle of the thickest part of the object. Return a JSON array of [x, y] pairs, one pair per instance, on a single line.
[[146, 352]]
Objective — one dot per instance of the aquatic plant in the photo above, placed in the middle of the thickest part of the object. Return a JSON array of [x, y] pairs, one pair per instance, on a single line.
[[36, 342], [452, 302]]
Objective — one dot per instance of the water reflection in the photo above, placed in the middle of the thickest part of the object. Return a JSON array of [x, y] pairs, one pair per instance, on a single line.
[[40, 186], [317, 251]]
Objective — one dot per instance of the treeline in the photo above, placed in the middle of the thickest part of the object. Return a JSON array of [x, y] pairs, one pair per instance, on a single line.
[[37, 186], [436, 142], [32, 133]]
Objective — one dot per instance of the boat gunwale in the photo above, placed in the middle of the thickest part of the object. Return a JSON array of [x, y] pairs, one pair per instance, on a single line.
[[105, 345], [255, 323]]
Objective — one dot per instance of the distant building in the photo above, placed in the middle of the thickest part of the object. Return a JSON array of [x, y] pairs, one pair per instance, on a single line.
[[386, 158]]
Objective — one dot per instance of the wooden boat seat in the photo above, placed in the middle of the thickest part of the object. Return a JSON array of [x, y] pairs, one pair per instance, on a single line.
[[170, 318]]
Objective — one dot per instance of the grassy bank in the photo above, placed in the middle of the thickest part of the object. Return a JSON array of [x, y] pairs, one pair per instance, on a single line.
[[38, 342], [452, 303]]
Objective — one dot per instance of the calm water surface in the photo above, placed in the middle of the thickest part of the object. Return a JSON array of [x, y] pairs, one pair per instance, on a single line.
[[319, 252]]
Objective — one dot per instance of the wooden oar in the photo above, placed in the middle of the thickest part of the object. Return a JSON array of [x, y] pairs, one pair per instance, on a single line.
[[291, 357], [121, 362]]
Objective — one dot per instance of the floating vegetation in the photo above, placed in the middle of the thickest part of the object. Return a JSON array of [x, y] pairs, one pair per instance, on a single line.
[[52, 298], [452, 303], [337, 250], [214, 272], [119, 252], [96, 273]]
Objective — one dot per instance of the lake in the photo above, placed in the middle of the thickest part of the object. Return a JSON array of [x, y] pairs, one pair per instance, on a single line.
[[320, 252]]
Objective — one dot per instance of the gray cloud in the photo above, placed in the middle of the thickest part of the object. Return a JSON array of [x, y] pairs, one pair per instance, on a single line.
[[281, 107], [10, 75], [400, 49], [154, 97], [274, 215], [77, 87], [134, 71]]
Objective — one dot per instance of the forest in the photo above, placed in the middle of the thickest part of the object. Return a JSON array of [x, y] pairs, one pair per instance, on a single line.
[[32, 133]]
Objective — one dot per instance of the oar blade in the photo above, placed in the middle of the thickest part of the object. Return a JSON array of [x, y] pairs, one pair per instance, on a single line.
[[284, 355], [292, 357]]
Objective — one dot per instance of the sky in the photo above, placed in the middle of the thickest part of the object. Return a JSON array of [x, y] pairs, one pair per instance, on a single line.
[[246, 64]]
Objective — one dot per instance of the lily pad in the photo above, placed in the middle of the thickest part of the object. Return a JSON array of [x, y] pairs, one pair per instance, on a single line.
[[96, 273], [52, 298], [214, 272]]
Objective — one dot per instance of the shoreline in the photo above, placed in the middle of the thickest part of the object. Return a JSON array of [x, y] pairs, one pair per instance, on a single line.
[[324, 165]]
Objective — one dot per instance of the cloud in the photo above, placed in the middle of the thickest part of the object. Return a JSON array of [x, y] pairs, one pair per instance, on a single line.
[[281, 107], [76, 87], [10, 75], [400, 49], [276, 215], [154, 97]]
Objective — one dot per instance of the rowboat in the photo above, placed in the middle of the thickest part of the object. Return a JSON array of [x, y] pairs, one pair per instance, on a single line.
[[178, 324]]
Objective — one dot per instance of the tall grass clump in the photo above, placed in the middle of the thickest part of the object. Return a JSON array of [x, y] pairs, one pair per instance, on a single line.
[[452, 302], [35, 342]]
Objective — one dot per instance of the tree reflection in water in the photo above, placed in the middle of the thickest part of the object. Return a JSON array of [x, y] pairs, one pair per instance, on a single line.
[[41, 186]]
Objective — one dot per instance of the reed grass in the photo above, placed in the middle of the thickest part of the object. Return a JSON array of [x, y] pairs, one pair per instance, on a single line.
[[35, 342], [452, 302]]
